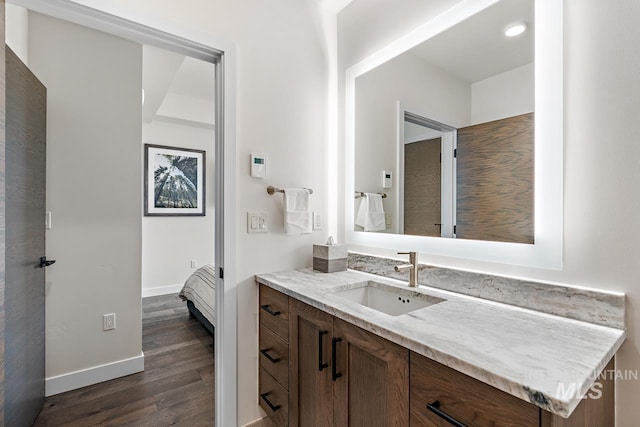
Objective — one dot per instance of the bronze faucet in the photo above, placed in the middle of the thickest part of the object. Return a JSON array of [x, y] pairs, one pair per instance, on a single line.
[[412, 267]]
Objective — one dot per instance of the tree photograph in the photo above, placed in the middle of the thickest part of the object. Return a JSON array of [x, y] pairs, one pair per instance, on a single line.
[[175, 181]]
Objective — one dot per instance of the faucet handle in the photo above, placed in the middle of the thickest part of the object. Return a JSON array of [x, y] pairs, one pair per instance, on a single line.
[[413, 256]]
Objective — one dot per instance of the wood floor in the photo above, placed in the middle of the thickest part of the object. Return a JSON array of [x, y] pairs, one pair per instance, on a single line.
[[175, 389]]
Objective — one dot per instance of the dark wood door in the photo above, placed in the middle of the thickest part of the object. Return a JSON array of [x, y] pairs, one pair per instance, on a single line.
[[373, 387], [26, 104], [2, 205], [495, 180], [310, 388], [422, 188]]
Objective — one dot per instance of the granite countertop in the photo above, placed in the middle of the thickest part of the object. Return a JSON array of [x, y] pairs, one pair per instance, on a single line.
[[531, 355]]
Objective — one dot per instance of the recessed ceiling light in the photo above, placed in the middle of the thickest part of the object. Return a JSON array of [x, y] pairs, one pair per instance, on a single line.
[[515, 29]]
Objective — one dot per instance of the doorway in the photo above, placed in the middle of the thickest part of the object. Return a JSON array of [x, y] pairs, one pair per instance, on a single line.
[[426, 166], [221, 57]]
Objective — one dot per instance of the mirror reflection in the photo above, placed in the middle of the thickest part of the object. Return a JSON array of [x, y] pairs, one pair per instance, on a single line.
[[444, 133]]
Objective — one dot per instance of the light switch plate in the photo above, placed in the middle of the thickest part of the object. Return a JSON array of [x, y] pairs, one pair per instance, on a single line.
[[257, 222], [388, 220], [317, 221]]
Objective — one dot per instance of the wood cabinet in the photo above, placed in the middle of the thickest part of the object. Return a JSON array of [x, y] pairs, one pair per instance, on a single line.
[[441, 396], [342, 375], [318, 370], [273, 378]]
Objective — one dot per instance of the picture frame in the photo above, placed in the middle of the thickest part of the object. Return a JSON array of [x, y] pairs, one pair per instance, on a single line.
[[174, 181]]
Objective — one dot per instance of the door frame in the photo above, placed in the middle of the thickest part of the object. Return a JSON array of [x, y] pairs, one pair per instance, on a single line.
[[2, 204], [447, 166], [221, 52]]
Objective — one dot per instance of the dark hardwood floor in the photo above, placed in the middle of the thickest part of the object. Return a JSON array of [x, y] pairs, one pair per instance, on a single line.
[[176, 387]]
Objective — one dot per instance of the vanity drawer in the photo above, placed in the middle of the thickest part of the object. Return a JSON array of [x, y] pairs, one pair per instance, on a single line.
[[274, 311], [273, 398], [463, 398], [274, 356]]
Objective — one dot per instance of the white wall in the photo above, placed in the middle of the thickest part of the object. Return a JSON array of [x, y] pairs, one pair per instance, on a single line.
[[188, 108], [601, 150], [17, 31], [415, 133], [170, 243], [281, 111], [94, 173], [420, 88], [504, 95]]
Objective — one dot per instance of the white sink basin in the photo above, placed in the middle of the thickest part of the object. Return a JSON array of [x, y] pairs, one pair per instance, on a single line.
[[386, 298]]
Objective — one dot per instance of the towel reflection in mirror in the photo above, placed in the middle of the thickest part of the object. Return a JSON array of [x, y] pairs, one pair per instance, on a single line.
[[371, 213]]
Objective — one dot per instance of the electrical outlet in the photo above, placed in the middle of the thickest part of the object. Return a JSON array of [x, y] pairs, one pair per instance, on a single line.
[[109, 322], [194, 263]]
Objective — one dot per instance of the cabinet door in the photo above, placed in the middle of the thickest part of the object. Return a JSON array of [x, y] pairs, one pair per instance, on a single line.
[[371, 387], [310, 388]]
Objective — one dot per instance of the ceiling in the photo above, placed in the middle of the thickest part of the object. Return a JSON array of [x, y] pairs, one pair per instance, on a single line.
[[477, 48], [182, 89], [335, 5], [177, 88]]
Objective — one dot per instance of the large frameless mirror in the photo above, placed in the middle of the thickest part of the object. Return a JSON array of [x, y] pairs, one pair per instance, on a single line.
[[453, 141]]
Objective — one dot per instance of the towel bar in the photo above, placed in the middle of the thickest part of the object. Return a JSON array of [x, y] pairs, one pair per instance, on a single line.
[[272, 190], [361, 194]]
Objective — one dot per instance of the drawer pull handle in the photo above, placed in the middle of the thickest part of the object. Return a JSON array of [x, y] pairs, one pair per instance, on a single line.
[[266, 354], [435, 408], [264, 396], [268, 310], [334, 373], [321, 364]]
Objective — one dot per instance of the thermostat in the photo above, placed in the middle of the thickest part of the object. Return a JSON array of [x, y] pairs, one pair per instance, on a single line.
[[387, 179], [258, 166]]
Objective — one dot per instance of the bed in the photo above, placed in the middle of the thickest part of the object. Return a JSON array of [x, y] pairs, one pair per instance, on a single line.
[[199, 293]]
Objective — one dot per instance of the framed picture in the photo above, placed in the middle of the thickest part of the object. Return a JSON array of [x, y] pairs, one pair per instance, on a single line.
[[174, 181]]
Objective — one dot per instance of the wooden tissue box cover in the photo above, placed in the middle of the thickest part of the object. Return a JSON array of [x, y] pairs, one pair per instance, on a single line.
[[329, 258]]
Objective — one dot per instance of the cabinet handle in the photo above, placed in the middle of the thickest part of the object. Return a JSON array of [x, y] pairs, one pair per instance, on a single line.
[[273, 407], [334, 374], [266, 354], [321, 364], [435, 408], [268, 310]]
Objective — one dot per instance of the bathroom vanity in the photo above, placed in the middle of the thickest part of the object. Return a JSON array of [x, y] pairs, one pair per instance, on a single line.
[[352, 348]]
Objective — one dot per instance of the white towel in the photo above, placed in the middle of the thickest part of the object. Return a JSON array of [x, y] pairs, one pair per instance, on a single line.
[[297, 213], [371, 213]]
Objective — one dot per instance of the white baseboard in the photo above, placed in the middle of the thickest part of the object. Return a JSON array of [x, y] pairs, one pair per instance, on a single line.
[[161, 290], [93, 375]]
